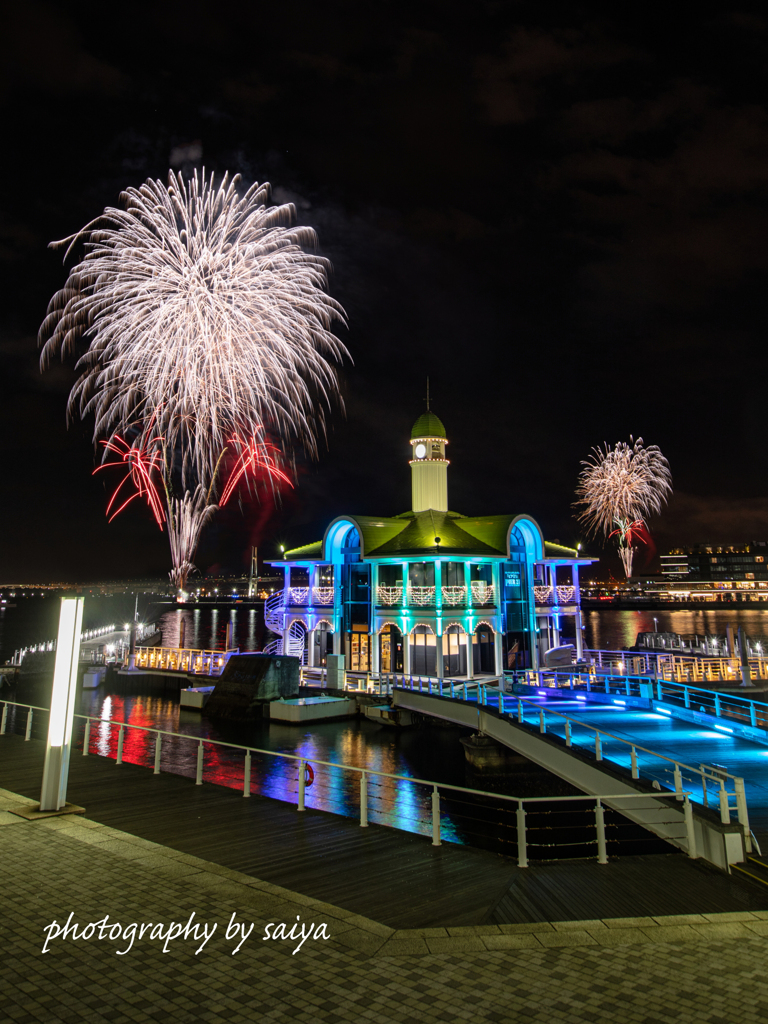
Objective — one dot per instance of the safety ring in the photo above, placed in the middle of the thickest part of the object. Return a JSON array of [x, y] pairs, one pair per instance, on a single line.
[[309, 775]]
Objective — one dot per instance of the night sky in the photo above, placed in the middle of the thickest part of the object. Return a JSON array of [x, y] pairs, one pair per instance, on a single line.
[[557, 213]]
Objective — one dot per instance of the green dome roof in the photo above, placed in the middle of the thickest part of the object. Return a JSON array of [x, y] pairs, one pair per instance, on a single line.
[[428, 425]]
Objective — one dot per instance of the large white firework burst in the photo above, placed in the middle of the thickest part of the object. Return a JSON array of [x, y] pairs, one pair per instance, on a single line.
[[619, 488], [200, 315], [204, 316]]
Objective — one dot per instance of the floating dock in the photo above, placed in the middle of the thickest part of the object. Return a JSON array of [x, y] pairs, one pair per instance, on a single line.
[[312, 709]]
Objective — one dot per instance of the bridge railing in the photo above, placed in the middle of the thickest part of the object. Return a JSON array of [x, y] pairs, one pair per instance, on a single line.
[[183, 659], [704, 776], [742, 709], [675, 667], [382, 797]]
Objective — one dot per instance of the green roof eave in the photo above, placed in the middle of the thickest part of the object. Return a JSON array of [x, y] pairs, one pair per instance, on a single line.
[[314, 550]]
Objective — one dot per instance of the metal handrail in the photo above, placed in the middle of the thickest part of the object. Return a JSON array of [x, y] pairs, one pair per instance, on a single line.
[[716, 776], [365, 772]]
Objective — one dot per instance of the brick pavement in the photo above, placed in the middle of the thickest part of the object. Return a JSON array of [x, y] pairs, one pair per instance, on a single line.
[[698, 968]]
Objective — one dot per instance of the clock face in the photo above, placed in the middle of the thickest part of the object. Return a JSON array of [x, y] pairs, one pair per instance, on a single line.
[[421, 451]]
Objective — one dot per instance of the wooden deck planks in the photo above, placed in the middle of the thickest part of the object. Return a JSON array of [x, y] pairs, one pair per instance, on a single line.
[[394, 877]]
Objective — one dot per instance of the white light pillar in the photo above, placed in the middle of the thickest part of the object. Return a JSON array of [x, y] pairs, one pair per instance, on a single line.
[[439, 666], [53, 794]]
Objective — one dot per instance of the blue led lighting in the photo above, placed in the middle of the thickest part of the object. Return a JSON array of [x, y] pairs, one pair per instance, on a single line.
[[663, 711], [723, 728], [620, 702], [579, 697]]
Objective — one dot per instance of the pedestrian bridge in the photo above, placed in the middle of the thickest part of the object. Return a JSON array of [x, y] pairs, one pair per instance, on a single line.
[[708, 749]]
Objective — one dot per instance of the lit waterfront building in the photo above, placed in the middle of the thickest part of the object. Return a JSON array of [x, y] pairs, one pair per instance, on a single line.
[[712, 573], [429, 591]]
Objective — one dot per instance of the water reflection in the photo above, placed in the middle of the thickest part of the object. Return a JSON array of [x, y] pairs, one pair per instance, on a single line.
[[613, 629], [404, 805]]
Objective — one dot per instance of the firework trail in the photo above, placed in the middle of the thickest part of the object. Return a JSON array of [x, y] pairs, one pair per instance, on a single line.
[[618, 489], [199, 316]]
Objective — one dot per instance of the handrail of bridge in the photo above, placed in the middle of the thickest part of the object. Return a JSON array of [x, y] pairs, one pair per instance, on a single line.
[[706, 773], [670, 663], [719, 703], [302, 763], [183, 659]]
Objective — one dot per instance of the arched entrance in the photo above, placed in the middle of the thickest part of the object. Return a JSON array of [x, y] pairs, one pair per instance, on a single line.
[[323, 634], [484, 661], [390, 649], [423, 652], [454, 651]]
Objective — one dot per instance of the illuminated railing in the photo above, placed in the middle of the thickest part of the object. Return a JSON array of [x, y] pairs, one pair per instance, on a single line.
[[176, 659], [561, 595], [389, 595], [323, 595], [454, 595], [483, 593], [297, 595], [421, 596]]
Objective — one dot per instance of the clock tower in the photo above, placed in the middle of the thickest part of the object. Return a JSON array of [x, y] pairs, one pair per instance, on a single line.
[[429, 466]]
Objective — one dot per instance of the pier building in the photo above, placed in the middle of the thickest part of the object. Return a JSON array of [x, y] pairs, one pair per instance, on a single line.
[[428, 591]]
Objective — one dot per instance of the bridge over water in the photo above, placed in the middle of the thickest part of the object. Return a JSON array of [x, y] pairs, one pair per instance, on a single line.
[[708, 749]]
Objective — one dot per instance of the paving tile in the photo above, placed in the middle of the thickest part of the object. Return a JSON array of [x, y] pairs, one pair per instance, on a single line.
[[566, 926], [520, 941], [573, 937], [527, 926]]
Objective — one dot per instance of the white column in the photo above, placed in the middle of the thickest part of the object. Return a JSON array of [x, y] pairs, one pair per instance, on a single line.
[[497, 652], [439, 656], [470, 655], [406, 654], [311, 636], [375, 643]]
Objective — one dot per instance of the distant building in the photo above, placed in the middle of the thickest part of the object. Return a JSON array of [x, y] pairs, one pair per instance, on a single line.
[[428, 591], [716, 571]]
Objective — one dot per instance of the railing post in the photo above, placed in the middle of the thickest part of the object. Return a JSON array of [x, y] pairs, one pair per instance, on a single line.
[[501, 703], [717, 705], [28, 733], [602, 856], [607, 684], [598, 748], [120, 738], [628, 687], [158, 745], [567, 732], [363, 800], [542, 722], [633, 757], [687, 696], [689, 828], [742, 812], [87, 737], [453, 693], [302, 784], [4, 720], [678, 782], [199, 775], [429, 685], [522, 850], [725, 812], [420, 690], [435, 817], [752, 714], [519, 710], [658, 690]]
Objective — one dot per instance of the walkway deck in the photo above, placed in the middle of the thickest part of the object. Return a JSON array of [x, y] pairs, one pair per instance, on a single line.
[[671, 737], [390, 876]]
